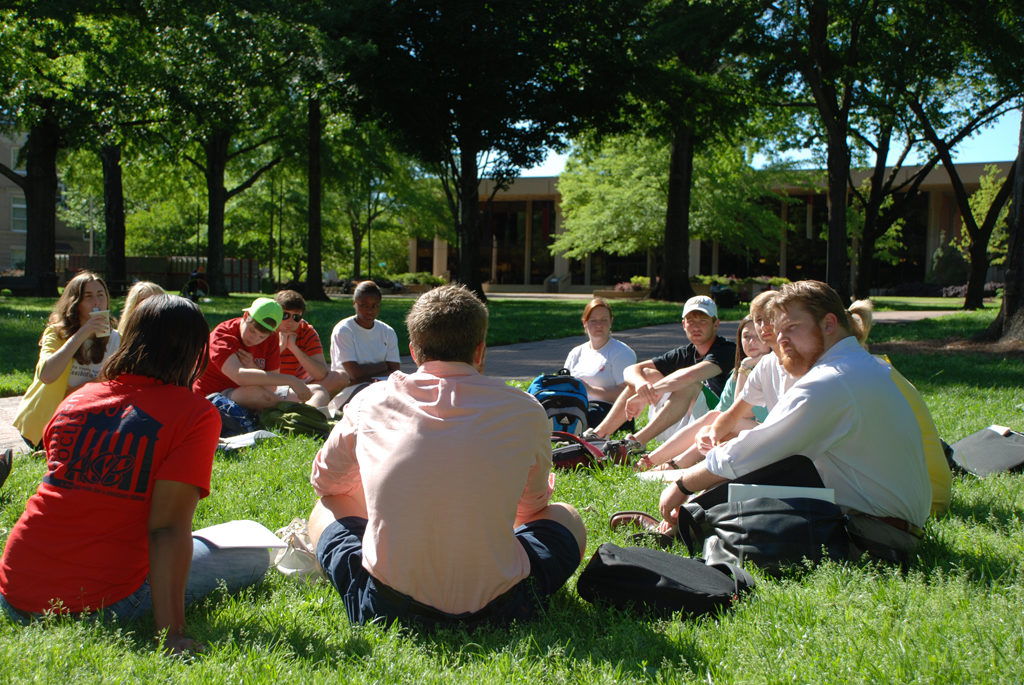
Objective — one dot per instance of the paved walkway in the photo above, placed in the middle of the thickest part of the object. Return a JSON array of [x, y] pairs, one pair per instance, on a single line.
[[522, 360]]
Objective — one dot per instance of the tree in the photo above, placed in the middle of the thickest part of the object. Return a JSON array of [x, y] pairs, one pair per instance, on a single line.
[[221, 85], [686, 92], [615, 193], [481, 90], [994, 35], [370, 178], [825, 50], [43, 90]]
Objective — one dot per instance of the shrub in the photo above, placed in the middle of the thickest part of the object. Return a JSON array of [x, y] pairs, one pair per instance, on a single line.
[[641, 282], [419, 278], [635, 284], [991, 289]]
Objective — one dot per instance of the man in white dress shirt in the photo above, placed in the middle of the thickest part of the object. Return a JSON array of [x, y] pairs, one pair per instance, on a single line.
[[844, 417]]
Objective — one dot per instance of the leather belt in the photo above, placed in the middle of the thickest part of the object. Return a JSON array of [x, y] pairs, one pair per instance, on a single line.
[[899, 524]]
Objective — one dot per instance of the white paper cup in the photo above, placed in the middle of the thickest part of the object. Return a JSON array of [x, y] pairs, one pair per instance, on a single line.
[[105, 331]]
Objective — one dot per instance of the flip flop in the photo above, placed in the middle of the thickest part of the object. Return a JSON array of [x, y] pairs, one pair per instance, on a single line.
[[648, 525]]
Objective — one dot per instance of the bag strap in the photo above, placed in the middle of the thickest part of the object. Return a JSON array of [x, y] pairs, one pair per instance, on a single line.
[[743, 580], [597, 455], [688, 530]]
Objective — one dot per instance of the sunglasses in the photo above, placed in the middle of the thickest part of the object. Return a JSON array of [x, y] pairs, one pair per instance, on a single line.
[[286, 316]]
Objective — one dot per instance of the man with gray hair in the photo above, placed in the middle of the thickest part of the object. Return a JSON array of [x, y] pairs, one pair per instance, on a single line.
[[435, 487]]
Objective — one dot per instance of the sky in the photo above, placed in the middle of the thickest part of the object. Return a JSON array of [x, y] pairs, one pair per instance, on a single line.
[[998, 143]]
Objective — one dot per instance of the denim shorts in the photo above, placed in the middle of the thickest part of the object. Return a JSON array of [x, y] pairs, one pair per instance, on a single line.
[[553, 552]]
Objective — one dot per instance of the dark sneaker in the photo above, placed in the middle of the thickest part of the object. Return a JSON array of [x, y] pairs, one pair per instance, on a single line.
[[6, 462]]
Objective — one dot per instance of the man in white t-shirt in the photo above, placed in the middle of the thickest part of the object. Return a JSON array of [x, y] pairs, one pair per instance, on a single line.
[[361, 346]]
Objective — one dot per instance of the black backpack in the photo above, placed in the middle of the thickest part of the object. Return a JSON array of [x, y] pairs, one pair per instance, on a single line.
[[564, 398], [989, 451], [660, 582], [772, 533]]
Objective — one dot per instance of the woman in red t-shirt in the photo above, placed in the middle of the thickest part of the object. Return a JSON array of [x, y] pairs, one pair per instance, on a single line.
[[110, 526]]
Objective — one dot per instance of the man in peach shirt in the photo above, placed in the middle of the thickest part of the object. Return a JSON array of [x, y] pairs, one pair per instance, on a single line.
[[435, 487]]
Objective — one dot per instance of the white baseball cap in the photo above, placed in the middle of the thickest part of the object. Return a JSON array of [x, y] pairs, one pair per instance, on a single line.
[[701, 303]]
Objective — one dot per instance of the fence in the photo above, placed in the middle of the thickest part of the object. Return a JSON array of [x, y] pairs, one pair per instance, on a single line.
[[240, 275]]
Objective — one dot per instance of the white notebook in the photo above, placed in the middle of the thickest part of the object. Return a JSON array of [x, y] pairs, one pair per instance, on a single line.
[[741, 491], [241, 533]]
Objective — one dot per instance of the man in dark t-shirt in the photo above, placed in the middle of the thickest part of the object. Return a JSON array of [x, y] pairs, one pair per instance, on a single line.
[[674, 379]]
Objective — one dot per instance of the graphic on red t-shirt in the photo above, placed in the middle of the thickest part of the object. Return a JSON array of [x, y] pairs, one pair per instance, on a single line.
[[103, 451]]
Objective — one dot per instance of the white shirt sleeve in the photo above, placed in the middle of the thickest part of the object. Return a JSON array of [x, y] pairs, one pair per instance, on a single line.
[[808, 420]]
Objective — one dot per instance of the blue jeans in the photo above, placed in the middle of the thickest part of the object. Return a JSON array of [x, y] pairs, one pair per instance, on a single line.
[[236, 567], [553, 552]]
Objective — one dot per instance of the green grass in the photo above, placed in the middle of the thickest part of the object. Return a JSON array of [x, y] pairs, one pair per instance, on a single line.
[[893, 303], [953, 616]]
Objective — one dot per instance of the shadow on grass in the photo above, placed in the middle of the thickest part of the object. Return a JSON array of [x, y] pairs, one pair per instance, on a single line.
[[635, 644]]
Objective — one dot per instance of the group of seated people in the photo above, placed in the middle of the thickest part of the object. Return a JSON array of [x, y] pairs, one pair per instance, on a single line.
[[268, 354], [435, 486]]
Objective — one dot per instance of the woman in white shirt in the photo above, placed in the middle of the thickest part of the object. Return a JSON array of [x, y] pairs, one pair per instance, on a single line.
[[601, 361]]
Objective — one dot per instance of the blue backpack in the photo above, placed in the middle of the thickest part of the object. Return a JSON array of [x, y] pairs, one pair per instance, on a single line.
[[564, 398]]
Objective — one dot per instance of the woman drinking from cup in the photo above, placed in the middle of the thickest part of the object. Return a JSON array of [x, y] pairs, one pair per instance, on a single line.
[[78, 338]]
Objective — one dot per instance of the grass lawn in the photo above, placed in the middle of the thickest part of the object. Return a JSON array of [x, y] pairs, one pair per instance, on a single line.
[[953, 616]]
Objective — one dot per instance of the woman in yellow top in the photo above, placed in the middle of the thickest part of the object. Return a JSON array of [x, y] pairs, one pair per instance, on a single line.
[[72, 351]]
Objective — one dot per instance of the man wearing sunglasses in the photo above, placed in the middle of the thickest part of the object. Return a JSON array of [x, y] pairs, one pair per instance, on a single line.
[[302, 354], [245, 359]]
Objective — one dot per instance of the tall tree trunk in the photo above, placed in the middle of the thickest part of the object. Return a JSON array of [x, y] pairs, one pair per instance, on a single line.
[[872, 229], [838, 178], [113, 215], [314, 268], [675, 271], [40, 188], [469, 222], [1009, 325], [975, 298], [216, 148]]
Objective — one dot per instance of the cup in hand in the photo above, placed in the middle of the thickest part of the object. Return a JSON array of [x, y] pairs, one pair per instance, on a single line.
[[105, 314]]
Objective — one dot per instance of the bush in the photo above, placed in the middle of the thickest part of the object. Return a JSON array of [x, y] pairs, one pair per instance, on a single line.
[[641, 282], [419, 278], [948, 266], [991, 289], [635, 284], [917, 289]]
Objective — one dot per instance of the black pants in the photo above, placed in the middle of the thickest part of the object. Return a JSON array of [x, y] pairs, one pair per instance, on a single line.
[[796, 471]]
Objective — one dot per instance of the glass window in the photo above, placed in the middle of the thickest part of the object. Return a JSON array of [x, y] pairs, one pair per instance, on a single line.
[[19, 215]]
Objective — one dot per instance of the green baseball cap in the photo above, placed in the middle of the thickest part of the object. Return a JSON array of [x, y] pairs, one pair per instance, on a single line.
[[266, 312]]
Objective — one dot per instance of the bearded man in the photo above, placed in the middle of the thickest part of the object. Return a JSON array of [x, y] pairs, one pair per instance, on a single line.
[[843, 425]]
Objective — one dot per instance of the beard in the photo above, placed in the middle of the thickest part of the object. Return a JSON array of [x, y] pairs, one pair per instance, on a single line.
[[797, 364]]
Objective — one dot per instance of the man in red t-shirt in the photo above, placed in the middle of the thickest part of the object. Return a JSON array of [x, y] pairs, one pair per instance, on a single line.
[[245, 359], [302, 354]]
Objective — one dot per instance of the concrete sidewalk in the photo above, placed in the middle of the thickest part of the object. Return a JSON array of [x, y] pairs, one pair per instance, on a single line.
[[523, 361]]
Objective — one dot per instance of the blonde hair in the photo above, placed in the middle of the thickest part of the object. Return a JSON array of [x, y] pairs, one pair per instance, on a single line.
[[862, 317], [136, 294]]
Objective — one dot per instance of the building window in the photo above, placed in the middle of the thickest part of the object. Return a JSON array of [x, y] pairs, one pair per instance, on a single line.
[[19, 215], [18, 168]]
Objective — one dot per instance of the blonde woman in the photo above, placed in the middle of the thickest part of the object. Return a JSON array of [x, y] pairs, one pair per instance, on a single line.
[[139, 291]]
